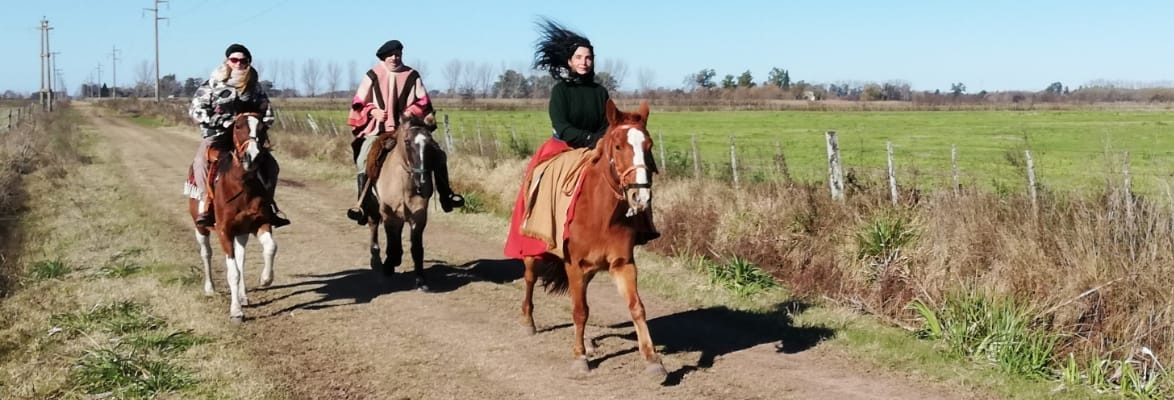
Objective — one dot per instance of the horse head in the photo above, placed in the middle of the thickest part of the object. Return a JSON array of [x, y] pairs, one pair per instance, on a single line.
[[628, 147], [247, 134], [415, 132]]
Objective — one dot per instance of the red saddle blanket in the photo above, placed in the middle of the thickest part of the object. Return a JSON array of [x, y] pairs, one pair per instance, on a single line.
[[545, 206]]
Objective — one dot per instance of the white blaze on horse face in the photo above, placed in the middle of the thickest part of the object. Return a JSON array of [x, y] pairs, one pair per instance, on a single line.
[[421, 141], [636, 139], [253, 150]]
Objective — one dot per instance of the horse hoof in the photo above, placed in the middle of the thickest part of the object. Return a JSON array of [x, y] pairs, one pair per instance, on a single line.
[[265, 283], [656, 370], [236, 319], [244, 301], [580, 366], [589, 349], [421, 285], [209, 292]]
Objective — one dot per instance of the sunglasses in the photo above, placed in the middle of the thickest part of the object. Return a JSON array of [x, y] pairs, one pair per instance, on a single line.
[[235, 60]]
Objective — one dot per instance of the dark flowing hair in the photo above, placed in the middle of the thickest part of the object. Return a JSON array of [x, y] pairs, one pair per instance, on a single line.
[[555, 46]]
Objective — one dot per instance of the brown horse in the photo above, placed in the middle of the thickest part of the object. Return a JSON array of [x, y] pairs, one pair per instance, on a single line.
[[238, 195], [609, 215], [402, 191]]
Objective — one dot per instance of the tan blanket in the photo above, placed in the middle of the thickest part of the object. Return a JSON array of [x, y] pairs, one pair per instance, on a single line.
[[552, 189]]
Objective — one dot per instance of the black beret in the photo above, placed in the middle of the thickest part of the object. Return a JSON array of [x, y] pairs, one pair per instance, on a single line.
[[237, 47], [387, 48]]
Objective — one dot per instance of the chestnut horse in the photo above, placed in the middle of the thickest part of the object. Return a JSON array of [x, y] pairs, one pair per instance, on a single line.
[[608, 217], [238, 194], [402, 191]]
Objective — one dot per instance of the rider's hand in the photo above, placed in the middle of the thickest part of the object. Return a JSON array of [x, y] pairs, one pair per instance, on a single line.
[[379, 115]]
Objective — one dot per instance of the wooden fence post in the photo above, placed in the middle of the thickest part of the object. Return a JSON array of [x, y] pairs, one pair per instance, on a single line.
[[733, 161], [1128, 187], [480, 143], [1031, 186], [1130, 224], [313, 124], [660, 144], [835, 172], [781, 162], [448, 136], [696, 159], [954, 161], [892, 175]]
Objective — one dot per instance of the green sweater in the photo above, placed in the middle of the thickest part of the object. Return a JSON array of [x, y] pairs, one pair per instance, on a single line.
[[577, 113]]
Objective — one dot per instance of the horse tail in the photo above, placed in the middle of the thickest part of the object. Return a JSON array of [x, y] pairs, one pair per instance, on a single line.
[[553, 275]]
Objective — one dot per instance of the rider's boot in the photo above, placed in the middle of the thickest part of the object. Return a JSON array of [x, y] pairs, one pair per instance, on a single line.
[[448, 199], [357, 213]]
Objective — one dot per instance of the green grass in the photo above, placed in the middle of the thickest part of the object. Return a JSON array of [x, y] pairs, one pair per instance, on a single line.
[[48, 269], [126, 373], [1070, 149]]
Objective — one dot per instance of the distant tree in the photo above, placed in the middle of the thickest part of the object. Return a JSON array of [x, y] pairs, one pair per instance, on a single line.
[[958, 89], [616, 70], [144, 79], [169, 86], [607, 80], [511, 85], [311, 74], [1055, 88], [746, 80], [729, 82], [703, 79], [333, 78], [646, 77], [540, 85], [452, 72], [190, 85], [778, 77], [352, 69]]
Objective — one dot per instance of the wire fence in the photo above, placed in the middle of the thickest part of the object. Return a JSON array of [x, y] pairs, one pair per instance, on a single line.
[[919, 164]]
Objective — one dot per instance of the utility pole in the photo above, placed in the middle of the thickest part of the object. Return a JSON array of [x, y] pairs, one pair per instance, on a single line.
[[46, 77], [157, 18], [114, 72], [99, 80], [53, 74]]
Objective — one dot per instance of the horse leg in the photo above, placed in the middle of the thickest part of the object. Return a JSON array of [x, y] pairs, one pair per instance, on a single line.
[[393, 228], [373, 224], [239, 248], [417, 238], [577, 287], [528, 301], [232, 275], [268, 251], [206, 258], [625, 278]]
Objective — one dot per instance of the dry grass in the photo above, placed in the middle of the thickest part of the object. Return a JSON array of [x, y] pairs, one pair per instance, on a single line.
[[41, 362], [1092, 270]]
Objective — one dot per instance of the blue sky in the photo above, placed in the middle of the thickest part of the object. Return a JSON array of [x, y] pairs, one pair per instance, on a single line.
[[987, 45]]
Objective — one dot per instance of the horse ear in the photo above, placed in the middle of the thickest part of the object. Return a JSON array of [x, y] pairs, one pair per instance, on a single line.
[[430, 121], [644, 111], [611, 112]]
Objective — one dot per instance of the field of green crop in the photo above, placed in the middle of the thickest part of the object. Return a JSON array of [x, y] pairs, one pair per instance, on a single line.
[[1071, 150]]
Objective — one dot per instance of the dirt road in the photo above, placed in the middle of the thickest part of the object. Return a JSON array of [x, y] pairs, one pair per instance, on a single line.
[[331, 328]]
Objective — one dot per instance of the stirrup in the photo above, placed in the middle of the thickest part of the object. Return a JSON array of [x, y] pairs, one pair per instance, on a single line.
[[357, 215], [451, 201]]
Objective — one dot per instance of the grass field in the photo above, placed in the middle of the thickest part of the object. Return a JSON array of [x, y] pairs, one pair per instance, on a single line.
[[1070, 149]]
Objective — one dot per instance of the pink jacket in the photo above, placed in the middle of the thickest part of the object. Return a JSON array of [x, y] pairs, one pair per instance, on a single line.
[[392, 90]]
